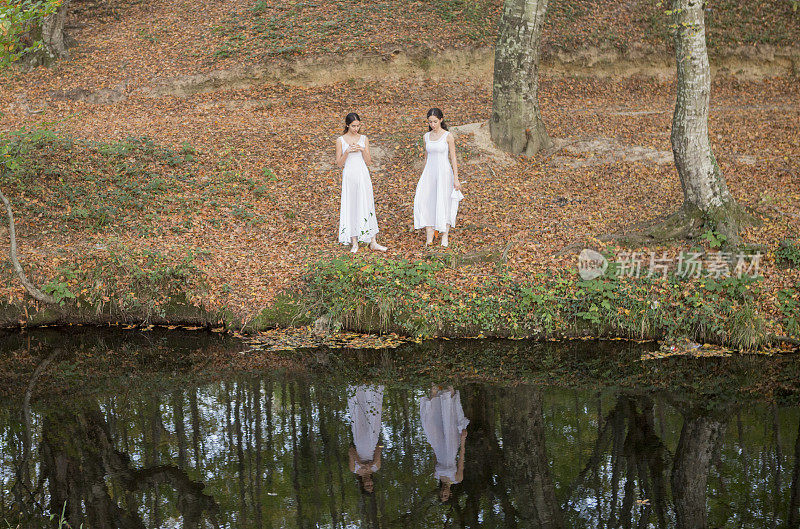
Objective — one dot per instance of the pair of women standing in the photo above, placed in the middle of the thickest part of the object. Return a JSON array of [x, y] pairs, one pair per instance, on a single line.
[[438, 189]]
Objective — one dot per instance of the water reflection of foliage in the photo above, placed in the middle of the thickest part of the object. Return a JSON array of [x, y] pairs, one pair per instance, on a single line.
[[272, 452]]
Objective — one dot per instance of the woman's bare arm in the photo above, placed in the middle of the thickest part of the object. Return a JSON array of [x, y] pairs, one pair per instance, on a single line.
[[451, 144], [352, 456], [376, 457], [461, 453], [341, 155], [365, 151]]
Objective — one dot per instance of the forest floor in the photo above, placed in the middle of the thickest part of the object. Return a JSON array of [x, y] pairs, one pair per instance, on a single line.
[[232, 191]]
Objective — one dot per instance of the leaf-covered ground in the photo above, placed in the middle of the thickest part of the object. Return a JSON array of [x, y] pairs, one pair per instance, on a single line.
[[237, 187]]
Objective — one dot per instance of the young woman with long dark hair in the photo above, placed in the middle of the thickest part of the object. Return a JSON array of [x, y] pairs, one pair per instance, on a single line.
[[438, 189], [357, 220]]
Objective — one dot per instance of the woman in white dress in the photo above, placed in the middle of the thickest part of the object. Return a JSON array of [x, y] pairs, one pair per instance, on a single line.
[[435, 202], [446, 430], [357, 220], [365, 406]]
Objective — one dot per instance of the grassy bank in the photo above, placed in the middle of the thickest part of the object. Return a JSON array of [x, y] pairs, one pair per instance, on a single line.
[[416, 299]]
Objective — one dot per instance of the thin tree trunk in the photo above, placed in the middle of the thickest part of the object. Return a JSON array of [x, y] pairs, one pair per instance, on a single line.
[[32, 290], [707, 201], [516, 125]]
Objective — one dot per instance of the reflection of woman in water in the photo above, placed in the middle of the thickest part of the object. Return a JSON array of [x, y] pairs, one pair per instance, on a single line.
[[446, 430], [365, 404]]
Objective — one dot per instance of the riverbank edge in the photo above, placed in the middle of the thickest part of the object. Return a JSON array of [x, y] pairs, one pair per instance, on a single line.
[[352, 296]]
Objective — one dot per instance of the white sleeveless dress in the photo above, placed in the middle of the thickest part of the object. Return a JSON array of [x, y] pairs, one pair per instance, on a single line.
[[357, 213], [365, 406], [442, 420], [433, 204]]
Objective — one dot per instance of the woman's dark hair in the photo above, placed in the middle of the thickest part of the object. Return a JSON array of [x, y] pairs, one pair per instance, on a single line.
[[362, 489], [439, 114], [454, 489], [349, 118]]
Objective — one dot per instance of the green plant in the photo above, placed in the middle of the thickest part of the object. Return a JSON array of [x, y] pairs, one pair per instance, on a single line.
[[18, 22], [269, 175], [60, 291], [788, 301], [789, 253], [715, 240]]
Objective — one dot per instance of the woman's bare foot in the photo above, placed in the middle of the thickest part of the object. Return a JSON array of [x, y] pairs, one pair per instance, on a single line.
[[445, 241], [428, 235], [377, 247], [354, 248]]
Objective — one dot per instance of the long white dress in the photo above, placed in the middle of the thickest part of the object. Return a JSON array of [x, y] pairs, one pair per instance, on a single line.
[[442, 420], [365, 405], [433, 204], [357, 213]]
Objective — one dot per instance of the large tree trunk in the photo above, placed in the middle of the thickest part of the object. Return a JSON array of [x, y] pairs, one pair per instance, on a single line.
[[54, 41], [699, 438], [707, 202], [516, 125]]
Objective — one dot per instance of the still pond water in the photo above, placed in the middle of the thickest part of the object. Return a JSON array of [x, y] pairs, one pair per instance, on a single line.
[[278, 450]]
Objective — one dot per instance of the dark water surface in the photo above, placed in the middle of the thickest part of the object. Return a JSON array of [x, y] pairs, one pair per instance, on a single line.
[[274, 450]]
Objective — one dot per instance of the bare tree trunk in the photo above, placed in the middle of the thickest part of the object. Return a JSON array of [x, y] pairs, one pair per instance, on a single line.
[[32, 290], [707, 201], [516, 125]]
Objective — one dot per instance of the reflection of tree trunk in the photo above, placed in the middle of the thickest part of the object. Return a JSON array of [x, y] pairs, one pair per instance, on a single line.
[[237, 425], [699, 437], [328, 452], [156, 426], [776, 436], [180, 427], [794, 500], [483, 464], [526, 463], [78, 459], [195, 414], [25, 464], [258, 434], [295, 460], [629, 434], [72, 462]]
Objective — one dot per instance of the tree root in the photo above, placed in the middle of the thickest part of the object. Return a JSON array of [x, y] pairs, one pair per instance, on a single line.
[[32, 290], [678, 226]]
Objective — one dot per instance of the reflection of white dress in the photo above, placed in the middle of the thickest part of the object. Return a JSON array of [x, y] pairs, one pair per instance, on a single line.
[[432, 202], [357, 213], [443, 419], [365, 404]]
